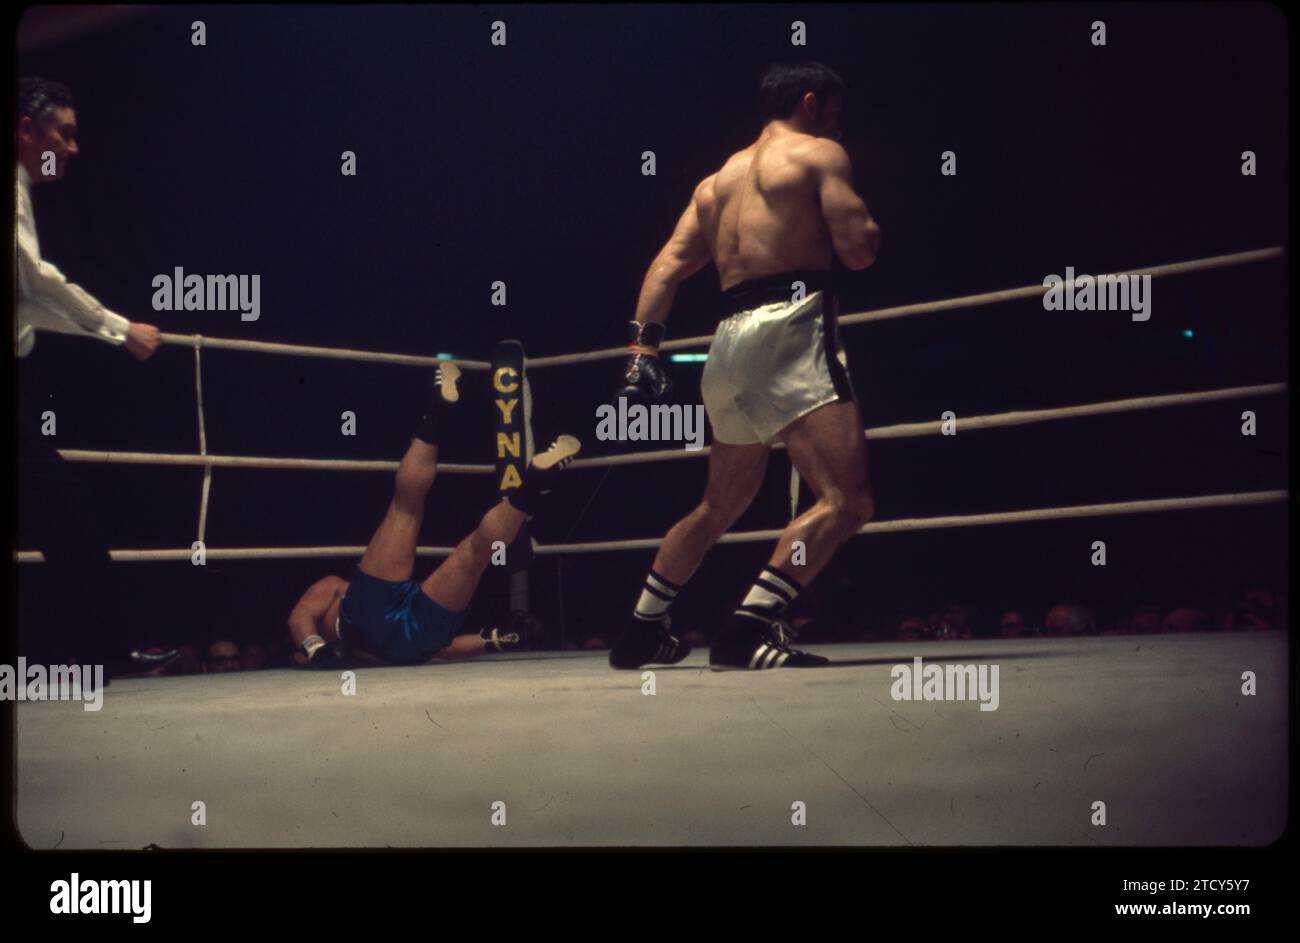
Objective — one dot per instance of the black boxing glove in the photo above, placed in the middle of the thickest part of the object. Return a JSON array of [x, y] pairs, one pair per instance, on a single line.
[[645, 381], [330, 657], [517, 632]]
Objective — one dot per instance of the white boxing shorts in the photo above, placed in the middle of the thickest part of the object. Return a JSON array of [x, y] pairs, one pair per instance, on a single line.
[[775, 359]]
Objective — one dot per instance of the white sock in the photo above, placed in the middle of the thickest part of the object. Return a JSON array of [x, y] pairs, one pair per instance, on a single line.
[[657, 596], [773, 592]]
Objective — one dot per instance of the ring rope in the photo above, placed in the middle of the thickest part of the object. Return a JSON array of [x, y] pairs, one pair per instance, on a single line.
[[949, 304], [247, 461], [1030, 291], [964, 520], [879, 527], [366, 356], [1019, 417], [327, 353]]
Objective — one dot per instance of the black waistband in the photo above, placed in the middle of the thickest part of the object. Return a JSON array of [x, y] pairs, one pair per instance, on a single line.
[[770, 288]]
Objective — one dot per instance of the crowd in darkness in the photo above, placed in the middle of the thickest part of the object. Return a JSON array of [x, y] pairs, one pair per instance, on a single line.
[[1256, 608], [821, 618]]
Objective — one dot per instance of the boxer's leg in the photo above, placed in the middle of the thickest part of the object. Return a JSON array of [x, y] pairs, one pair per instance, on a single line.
[[735, 475], [464, 646], [737, 464], [390, 555], [453, 584], [828, 449]]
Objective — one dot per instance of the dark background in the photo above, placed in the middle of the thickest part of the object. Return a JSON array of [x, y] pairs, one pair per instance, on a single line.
[[478, 163]]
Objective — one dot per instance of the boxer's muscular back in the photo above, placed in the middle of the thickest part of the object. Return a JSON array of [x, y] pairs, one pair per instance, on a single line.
[[761, 213]]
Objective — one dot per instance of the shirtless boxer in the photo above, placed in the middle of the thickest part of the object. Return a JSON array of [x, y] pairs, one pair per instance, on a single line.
[[384, 613], [770, 218]]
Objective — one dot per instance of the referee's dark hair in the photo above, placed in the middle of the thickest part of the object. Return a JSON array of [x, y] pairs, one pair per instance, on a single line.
[[39, 98]]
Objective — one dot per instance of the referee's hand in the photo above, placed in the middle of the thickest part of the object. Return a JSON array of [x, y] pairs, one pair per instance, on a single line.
[[142, 340]]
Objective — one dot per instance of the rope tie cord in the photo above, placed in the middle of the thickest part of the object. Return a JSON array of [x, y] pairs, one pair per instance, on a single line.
[[206, 490]]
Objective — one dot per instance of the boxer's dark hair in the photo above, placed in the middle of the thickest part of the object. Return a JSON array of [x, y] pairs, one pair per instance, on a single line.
[[784, 85], [38, 98]]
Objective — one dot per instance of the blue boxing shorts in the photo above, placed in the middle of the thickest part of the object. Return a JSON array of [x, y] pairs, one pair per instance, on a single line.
[[395, 621]]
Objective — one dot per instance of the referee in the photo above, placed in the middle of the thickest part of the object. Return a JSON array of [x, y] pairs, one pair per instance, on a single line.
[[58, 513]]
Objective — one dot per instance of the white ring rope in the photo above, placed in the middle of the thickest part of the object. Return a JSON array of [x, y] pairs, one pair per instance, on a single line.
[[879, 527], [1031, 291], [964, 520], [949, 304], [1024, 417], [237, 553], [965, 301], [327, 353], [248, 461], [1020, 417]]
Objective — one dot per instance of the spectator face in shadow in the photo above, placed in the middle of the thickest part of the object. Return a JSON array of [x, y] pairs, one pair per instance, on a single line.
[[1012, 624], [253, 656], [955, 623], [188, 661], [912, 628], [223, 656], [1257, 609], [1145, 620], [1186, 619], [1068, 619]]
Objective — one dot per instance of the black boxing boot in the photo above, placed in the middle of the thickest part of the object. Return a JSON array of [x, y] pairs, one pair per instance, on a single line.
[[446, 395], [540, 475], [646, 642], [753, 643]]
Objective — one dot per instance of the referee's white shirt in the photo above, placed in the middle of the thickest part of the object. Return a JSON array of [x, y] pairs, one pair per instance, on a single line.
[[46, 300]]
